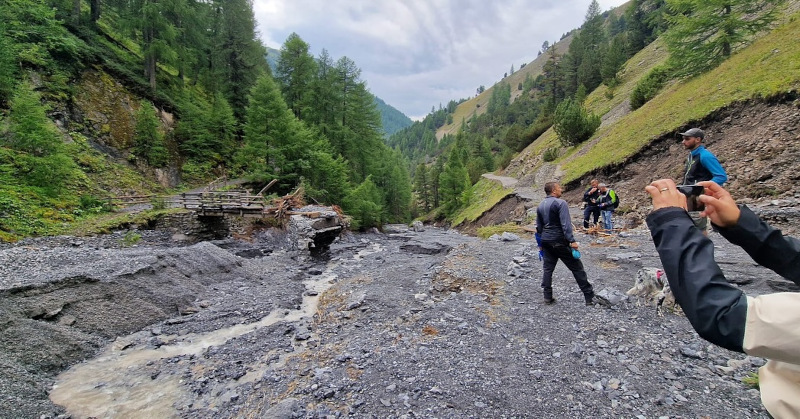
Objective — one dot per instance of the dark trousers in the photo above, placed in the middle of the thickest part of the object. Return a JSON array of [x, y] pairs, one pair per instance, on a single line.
[[589, 211], [552, 253]]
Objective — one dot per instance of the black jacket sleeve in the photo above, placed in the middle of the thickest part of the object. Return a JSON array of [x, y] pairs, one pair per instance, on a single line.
[[766, 245], [716, 309]]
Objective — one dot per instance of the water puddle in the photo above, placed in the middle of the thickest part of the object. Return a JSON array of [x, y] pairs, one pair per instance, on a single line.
[[120, 383]]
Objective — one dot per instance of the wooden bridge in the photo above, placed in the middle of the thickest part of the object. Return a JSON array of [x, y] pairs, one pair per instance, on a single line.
[[206, 203]]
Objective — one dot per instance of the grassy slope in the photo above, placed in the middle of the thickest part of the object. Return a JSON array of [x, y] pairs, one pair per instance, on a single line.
[[769, 67], [485, 194]]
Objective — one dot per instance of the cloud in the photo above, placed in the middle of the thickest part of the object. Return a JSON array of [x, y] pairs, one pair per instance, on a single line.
[[415, 54]]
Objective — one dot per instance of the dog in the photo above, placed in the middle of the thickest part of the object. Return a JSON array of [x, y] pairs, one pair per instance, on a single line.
[[651, 285]]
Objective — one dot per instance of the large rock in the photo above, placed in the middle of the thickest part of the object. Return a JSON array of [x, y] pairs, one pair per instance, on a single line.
[[314, 228]]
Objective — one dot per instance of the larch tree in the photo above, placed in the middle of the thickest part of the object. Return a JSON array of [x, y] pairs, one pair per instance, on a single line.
[[296, 70], [703, 33]]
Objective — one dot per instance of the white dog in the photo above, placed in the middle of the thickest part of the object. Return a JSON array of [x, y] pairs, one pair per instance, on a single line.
[[651, 285]]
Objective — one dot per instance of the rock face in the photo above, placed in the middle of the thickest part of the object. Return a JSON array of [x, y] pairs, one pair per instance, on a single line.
[[428, 323]]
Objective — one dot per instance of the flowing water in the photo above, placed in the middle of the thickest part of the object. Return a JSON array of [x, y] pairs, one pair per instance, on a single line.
[[118, 383]]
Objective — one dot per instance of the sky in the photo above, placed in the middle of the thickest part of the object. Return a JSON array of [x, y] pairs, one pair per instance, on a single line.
[[418, 54]]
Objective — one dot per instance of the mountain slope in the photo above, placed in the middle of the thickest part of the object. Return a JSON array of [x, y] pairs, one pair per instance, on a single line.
[[748, 107]]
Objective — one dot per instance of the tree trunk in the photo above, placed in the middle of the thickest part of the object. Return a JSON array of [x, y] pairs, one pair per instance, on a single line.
[[95, 10], [76, 12]]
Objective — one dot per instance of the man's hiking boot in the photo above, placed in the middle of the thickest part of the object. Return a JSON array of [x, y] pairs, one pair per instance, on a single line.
[[549, 301], [598, 300]]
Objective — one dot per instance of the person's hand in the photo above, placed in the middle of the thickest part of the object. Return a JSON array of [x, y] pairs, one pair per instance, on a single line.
[[573, 245], [665, 194], [721, 209]]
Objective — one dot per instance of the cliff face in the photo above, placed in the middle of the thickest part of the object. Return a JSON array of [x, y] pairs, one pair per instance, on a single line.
[[104, 111]]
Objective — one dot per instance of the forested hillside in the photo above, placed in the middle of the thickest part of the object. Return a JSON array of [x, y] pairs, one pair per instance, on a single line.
[[504, 119], [576, 111], [104, 97]]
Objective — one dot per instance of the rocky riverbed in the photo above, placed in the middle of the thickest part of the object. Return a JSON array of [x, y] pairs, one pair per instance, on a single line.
[[403, 323]]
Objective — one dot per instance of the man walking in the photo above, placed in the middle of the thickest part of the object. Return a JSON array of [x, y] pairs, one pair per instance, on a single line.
[[607, 202], [554, 234], [701, 165], [591, 210]]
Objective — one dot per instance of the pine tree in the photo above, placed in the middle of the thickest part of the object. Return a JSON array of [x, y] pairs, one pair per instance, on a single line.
[[365, 204], [42, 160], [453, 181], [8, 69]]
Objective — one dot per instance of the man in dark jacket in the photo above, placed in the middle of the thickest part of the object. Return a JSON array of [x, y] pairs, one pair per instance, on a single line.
[[554, 233], [590, 198], [765, 326]]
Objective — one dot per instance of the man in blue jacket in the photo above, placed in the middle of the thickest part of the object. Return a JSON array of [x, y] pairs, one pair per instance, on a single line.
[[701, 165]]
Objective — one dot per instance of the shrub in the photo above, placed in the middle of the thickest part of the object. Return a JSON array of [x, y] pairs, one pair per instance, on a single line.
[[573, 123], [131, 238], [751, 380], [550, 154], [648, 87]]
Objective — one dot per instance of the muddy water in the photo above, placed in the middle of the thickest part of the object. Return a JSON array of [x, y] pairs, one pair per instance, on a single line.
[[118, 383]]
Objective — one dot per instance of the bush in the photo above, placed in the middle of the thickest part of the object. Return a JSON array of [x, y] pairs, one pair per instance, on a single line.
[[550, 154], [573, 123], [648, 87]]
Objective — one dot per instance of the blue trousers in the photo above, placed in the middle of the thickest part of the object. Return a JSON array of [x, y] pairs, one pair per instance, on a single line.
[[608, 224]]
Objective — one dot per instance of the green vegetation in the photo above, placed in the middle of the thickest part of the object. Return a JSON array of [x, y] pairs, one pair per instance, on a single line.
[[770, 66], [131, 238], [573, 124], [484, 195], [176, 87], [489, 231], [751, 380]]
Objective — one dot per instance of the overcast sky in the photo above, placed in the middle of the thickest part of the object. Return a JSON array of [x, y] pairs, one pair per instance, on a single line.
[[417, 54]]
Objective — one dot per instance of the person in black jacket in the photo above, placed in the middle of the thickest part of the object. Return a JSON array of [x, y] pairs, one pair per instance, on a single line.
[[590, 197], [555, 240], [767, 325]]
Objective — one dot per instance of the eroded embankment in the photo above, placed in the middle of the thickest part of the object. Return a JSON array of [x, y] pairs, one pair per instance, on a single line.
[[60, 305]]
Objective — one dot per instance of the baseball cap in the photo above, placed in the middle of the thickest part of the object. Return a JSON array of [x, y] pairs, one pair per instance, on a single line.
[[602, 185], [694, 132]]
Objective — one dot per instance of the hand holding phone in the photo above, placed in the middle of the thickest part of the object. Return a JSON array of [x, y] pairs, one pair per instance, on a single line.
[[692, 192]]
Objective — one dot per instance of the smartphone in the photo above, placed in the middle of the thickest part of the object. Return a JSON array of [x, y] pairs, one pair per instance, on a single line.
[[692, 192]]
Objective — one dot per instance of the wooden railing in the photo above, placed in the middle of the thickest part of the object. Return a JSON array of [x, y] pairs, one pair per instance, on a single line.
[[205, 203]]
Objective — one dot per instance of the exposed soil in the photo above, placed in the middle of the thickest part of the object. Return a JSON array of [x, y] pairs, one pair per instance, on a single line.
[[402, 324]]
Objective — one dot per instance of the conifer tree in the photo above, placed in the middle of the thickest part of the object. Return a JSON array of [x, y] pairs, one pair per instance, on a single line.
[[365, 205], [8, 68], [453, 181], [422, 187], [295, 71], [148, 138], [703, 33], [43, 161]]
